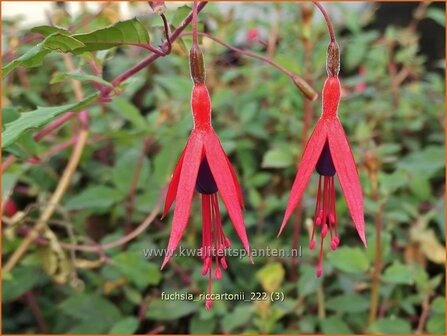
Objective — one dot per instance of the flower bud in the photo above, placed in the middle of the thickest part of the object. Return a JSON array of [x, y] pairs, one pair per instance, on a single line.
[[197, 66], [333, 59], [305, 88], [158, 6]]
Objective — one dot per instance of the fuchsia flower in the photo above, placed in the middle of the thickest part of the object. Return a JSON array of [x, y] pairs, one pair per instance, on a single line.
[[203, 166], [328, 152]]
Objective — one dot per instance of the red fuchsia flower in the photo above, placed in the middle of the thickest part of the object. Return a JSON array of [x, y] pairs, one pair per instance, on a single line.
[[329, 153], [203, 166]]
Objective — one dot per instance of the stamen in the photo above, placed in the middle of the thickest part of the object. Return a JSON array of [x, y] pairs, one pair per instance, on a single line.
[[214, 241], [325, 218]]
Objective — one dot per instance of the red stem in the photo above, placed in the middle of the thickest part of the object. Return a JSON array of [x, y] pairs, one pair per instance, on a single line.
[[328, 21], [195, 39]]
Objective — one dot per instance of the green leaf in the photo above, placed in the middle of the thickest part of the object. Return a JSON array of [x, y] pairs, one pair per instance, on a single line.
[[420, 186], [128, 111], [203, 327], [48, 30], [62, 43], [307, 282], [40, 117], [348, 259], [121, 33], [436, 324], [96, 197], [280, 157], [8, 182], [437, 15], [137, 269], [32, 58], [9, 114], [348, 303], [390, 326], [163, 310], [398, 274], [438, 305], [22, 280], [61, 76], [237, 318], [426, 161], [334, 325], [92, 309], [127, 326], [124, 171]]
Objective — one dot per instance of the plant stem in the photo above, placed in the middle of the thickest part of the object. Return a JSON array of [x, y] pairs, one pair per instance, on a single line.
[[307, 120], [53, 202], [37, 312], [195, 39], [134, 184], [375, 286], [307, 90], [320, 302], [97, 248], [118, 80], [424, 314], [327, 19]]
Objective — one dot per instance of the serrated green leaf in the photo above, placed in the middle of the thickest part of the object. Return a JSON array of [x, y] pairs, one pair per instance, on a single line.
[[62, 43], [40, 117], [32, 58], [436, 324], [137, 269], [398, 274], [61, 76], [390, 326], [348, 259], [335, 325], [128, 111], [124, 170], [348, 303], [438, 305], [46, 30], [307, 282], [126, 326], [163, 310], [279, 157], [23, 279], [91, 309], [237, 318], [121, 33], [96, 197]]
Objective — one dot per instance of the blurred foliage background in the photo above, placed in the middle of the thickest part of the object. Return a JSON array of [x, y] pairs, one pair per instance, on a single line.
[[392, 110]]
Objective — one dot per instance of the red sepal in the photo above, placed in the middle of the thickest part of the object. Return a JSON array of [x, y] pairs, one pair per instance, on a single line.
[[185, 191], [308, 162], [347, 174], [227, 189]]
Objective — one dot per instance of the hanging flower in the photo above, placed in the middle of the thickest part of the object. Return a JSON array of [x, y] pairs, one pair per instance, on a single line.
[[328, 152], [203, 166]]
